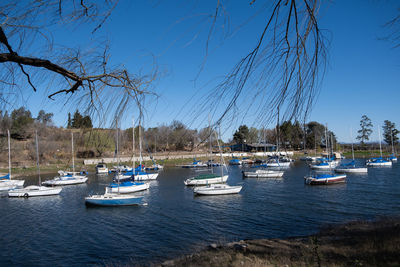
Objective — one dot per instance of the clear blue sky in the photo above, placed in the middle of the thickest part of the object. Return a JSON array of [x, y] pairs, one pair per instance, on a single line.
[[363, 74]]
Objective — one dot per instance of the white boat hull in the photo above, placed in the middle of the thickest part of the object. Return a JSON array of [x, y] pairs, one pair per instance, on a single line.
[[334, 179], [15, 183], [214, 180], [146, 177], [263, 174], [66, 181], [352, 170], [34, 191], [135, 187], [379, 164], [220, 189]]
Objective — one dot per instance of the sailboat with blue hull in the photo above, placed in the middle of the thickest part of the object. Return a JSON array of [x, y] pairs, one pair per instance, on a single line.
[[113, 199]]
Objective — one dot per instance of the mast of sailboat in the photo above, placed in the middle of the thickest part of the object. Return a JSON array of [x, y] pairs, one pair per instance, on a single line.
[[391, 137], [380, 145], [326, 141], [352, 144], [210, 151], [220, 153], [133, 146], [9, 154], [37, 158], [140, 144], [119, 170], [72, 150]]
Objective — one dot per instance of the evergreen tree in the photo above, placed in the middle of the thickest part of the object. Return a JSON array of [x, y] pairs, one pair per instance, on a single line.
[[366, 129], [241, 134], [390, 133]]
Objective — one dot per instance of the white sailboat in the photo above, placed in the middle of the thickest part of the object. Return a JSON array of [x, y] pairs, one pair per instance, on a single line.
[[35, 190], [264, 173], [207, 178], [140, 174], [351, 166], [129, 186], [218, 189], [380, 161], [112, 196], [68, 178], [393, 157], [6, 183]]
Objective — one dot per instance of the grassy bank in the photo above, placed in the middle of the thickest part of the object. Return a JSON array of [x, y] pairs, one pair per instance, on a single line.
[[359, 243]]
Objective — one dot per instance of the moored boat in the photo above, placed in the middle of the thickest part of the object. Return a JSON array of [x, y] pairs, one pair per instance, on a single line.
[[101, 168], [127, 187], [113, 199], [217, 189], [263, 174], [325, 179], [204, 179], [378, 162], [34, 191]]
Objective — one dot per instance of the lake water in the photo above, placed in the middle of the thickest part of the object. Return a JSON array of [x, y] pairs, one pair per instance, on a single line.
[[61, 230]]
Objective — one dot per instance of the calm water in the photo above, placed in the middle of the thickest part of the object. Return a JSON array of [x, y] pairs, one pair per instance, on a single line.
[[61, 230]]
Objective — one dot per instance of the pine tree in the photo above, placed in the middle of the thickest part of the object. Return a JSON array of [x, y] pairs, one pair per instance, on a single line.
[[366, 129]]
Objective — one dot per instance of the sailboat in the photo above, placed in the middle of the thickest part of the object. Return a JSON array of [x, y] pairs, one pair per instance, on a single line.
[[127, 186], [218, 189], [139, 173], [351, 166], [35, 190], [328, 178], [379, 162], [325, 164], [265, 172], [6, 183], [110, 198], [68, 178], [392, 157], [207, 178]]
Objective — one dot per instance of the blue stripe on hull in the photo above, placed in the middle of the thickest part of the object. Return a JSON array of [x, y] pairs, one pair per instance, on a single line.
[[114, 202]]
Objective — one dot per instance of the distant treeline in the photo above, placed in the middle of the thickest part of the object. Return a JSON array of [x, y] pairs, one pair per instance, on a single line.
[[95, 142]]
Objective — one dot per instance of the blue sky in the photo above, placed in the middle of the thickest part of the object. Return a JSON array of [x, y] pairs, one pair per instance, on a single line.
[[362, 77]]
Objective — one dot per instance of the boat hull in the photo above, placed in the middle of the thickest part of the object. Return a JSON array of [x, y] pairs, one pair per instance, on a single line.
[[34, 191], [217, 190], [133, 187], [205, 181], [65, 181], [263, 174], [112, 200], [335, 179], [145, 177], [351, 170], [15, 183], [379, 164]]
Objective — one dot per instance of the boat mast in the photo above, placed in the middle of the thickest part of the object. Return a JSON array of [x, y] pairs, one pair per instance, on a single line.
[[133, 146], [352, 143], [380, 145], [37, 158], [140, 144], [119, 170], [9, 154], [326, 141], [72, 145], [391, 137]]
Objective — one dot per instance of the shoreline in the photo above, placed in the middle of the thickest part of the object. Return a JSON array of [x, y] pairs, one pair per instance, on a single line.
[[356, 243]]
